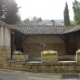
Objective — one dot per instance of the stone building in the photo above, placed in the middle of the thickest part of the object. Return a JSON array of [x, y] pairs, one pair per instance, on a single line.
[[33, 39], [5, 40]]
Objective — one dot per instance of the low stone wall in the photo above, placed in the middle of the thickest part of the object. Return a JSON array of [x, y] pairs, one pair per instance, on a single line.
[[44, 67]]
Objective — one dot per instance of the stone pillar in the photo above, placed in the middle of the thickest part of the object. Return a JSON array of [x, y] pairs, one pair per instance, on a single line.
[[7, 38], [7, 42], [1, 36], [5, 49], [2, 51]]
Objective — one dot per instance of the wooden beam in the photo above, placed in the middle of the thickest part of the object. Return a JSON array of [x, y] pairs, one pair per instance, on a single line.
[[12, 43], [24, 38], [62, 37]]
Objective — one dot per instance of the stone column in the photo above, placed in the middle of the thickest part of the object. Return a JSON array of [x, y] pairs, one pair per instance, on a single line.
[[7, 39], [5, 50], [2, 58], [7, 42], [1, 36]]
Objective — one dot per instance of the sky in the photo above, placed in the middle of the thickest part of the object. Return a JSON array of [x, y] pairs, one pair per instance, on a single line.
[[46, 9]]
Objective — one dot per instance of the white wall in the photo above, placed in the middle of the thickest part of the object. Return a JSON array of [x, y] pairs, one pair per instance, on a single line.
[[5, 39], [1, 36]]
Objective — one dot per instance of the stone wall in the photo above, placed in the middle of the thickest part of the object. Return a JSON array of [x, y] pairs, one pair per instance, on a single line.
[[5, 55], [34, 45], [5, 43], [44, 67], [35, 49]]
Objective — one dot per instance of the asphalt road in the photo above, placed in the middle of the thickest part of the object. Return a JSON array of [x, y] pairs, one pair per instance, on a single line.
[[21, 75]]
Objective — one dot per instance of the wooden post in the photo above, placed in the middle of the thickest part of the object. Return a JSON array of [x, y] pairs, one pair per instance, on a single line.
[[66, 43], [12, 43]]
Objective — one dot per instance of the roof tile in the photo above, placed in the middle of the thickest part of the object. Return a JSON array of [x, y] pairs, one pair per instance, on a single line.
[[43, 29]]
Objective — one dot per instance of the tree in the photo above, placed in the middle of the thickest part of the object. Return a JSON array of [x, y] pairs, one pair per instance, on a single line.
[[27, 21], [53, 21], [36, 20], [66, 15], [9, 11], [39, 20], [76, 10], [20, 22], [1, 8]]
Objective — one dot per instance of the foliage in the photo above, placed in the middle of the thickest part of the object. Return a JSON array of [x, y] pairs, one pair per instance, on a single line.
[[34, 20], [9, 11], [27, 21], [20, 23], [39, 19], [53, 21], [76, 69], [76, 10], [2, 10], [78, 51], [66, 15], [17, 53], [55, 70], [44, 53]]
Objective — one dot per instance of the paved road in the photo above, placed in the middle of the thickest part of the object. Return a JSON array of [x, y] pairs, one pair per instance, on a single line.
[[21, 75]]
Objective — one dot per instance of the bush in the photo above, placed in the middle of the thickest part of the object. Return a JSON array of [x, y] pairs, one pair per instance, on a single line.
[[78, 51], [17, 53], [44, 53]]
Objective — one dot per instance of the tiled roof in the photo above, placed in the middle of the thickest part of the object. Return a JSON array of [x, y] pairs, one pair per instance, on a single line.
[[45, 23], [73, 29], [40, 29]]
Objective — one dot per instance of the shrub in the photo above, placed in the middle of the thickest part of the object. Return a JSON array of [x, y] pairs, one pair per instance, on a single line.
[[55, 70], [17, 53], [50, 52], [78, 51]]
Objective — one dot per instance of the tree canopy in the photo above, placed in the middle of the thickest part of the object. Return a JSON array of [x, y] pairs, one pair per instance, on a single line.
[[76, 10], [1, 8], [27, 21], [9, 11], [66, 15], [53, 21], [34, 20]]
